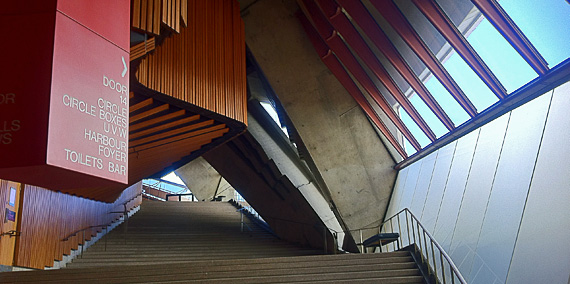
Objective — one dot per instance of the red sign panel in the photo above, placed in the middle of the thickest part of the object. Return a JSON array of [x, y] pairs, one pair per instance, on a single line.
[[64, 99], [108, 18], [89, 111]]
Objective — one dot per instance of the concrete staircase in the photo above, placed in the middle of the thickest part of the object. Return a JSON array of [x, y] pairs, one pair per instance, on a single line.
[[181, 242], [171, 232]]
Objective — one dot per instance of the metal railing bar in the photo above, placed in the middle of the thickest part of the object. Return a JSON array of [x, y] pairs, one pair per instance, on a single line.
[[103, 225]]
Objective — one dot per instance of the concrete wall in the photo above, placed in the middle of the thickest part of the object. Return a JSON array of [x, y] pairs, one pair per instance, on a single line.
[[353, 162], [289, 164], [497, 199], [204, 181]]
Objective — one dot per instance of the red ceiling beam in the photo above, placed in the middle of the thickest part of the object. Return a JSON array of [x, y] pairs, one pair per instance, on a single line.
[[443, 24], [365, 21], [344, 78], [351, 36], [398, 21], [507, 27], [336, 44]]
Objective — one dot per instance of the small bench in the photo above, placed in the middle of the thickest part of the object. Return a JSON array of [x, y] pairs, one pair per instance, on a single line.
[[380, 240]]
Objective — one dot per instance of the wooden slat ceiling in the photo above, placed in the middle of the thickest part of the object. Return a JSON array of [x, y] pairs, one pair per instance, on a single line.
[[172, 124], [162, 137]]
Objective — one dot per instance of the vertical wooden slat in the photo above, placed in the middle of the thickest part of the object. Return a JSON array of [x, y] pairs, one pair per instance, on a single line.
[[164, 16], [205, 63], [143, 13], [48, 216], [184, 13], [135, 13], [149, 13], [156, 16], [176, 17]]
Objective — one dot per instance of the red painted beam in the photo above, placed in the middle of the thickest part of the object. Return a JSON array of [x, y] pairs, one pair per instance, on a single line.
[[443, 24], [351, 36], [345, 56], [344, 78], [507, 27], [365, 21], [398, 21]]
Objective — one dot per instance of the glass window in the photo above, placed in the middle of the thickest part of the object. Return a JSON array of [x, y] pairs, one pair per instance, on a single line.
[[503, 60], [457, 114], [271, 111], [479, 94], [428, 115], [414, 128], [545, 23]]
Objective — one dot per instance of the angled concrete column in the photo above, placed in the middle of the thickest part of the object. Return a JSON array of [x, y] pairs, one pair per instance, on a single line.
[[204, 181], [342, 144]]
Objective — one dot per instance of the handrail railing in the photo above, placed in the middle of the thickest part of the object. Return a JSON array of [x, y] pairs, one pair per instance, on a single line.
[[256, 216], [425, 246], [423, 237], [422, 242], [103, 226], [242, 222]]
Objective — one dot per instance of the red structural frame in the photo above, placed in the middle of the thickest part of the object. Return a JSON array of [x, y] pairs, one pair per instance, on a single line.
[[344, 78], [377, 36], [443, 24], [330, 26], [505, 25]]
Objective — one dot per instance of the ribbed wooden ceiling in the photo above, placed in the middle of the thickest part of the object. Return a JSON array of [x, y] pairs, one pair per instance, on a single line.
[[181, 103]]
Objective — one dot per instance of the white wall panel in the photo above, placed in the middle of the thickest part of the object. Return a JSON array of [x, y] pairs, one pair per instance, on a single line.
[[474, 203], [422, 185], [542, 253], [510, 189], [454, 189], [438, 181], [410, 187], [393, 207], [477, 198]]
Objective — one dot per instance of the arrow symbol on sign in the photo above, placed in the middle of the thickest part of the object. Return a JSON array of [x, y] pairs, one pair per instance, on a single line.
[[124, 65]]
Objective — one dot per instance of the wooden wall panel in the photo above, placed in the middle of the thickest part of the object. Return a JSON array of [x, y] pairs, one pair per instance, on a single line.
[[48, 217], [204, 64], [150, 15]]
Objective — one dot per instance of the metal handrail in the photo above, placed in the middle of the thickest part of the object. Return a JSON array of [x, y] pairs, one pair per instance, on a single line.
[[156, 186], [423, 247], [325, 228], [103, 226], [242, 222]]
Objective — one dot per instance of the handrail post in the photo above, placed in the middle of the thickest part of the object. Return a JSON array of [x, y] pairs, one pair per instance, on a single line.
[[434, 263], [325, 239], [335, 243], [83, 243], [399, 232], [106, 237], [126, 218], [408, 226], [361, 244], [241, 221], [442, 268]]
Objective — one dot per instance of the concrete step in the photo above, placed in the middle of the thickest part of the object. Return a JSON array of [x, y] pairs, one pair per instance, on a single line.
[[379, 261], [201, 242], [82, 263]]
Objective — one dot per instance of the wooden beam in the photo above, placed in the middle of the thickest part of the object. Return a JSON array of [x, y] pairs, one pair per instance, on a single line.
[[140, 105], [163, 127], [163, 135], [148, 113], [136, 126]]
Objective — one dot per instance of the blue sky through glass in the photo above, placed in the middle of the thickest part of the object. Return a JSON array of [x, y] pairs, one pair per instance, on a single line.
[[547, 25]]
